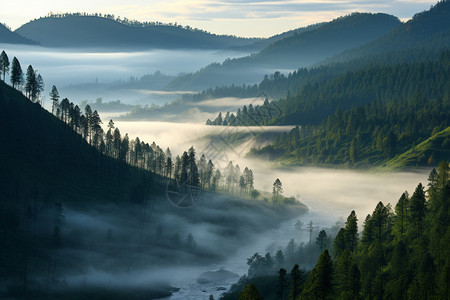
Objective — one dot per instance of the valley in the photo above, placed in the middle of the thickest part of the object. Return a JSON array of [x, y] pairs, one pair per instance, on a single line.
[[152, 160]]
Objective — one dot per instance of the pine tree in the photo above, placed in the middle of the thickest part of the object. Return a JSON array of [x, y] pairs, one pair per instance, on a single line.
[[30, 82], [296, 281], [250, 293], [322, 240], [401, 215], [319, 282], [54, 96], [417, 208], [282, 280], [4, 64], [16, 73], [347, 277], [351, 232], [277, 189]]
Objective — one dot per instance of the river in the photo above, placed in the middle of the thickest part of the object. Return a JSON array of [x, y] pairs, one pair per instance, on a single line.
[[330, 194]]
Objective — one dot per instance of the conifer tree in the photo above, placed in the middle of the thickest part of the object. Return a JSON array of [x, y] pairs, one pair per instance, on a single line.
[[4, 64], [16, 73], [401, 216], [296, 281], [54, 96], [282, 280], [417, 208], [250, 293], [351, 232], [319, 283]]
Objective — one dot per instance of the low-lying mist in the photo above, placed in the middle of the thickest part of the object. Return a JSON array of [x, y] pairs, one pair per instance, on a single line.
[[66, 67], [331, 193], [148, 243]]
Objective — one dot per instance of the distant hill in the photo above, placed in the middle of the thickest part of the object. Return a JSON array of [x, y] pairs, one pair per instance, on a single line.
[[428, 31], [261, 44], [9, 37], [298, 50], [102, 32]]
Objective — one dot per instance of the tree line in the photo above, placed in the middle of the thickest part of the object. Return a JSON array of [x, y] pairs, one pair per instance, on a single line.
[[320, 92], [401, 253], [185, 168], [151, 157], [32, 85], [367, 135]]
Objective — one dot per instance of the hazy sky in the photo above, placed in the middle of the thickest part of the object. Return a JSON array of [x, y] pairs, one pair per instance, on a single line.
[[260, 18]]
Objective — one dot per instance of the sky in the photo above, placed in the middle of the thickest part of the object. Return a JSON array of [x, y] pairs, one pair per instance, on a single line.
[[257, 18]]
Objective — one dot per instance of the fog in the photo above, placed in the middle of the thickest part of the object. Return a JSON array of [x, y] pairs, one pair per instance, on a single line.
[[332, 192], [67, 67]]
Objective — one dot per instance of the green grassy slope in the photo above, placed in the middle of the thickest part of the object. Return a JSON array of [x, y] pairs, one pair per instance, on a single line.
[[431, 151]]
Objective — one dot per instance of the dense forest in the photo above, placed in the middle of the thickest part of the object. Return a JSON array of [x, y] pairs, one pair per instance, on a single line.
[[72, 192], [363, 117], [401, 253]]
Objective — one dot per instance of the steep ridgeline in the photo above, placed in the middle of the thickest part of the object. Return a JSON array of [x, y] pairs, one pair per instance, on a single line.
[[91, 31], [9, 37], [298, 50], [426, 34]]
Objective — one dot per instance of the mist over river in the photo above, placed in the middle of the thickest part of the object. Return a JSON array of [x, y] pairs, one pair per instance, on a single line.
[[330, 194]]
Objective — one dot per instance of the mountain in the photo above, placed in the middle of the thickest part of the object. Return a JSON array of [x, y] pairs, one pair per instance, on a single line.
[[9, 37], [76, 30], [426, 33], [298, 50], [262, 43]]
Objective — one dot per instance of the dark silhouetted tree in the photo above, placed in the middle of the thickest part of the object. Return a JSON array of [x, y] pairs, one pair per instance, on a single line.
[[54, 96], [4, 64], [277, 189], [16, 73]]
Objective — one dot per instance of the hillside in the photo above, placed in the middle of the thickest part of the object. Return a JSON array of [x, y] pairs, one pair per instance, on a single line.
[[428, 31], [85, 31], [9, 37], [68, 213], [429, 152], [290, 53], [40, 152]]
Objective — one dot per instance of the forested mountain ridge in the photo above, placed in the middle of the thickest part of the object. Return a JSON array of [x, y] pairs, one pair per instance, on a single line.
[[365, 118], [345, 32], [9, 37], [428, 31], [400, 45], [292, 52], [91, 31], [325, 91]]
